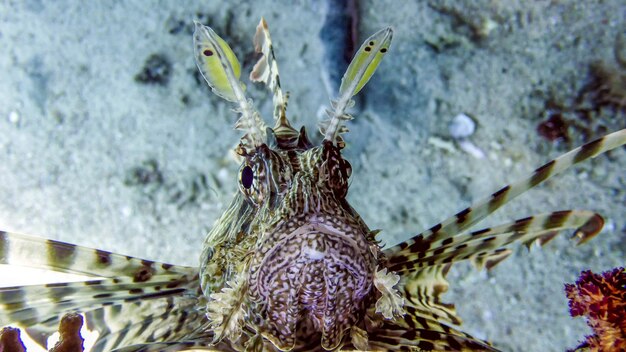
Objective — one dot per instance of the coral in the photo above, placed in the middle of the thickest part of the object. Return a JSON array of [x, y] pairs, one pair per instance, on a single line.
[[602, 300], [69, 329], [554, 128], [69, 341], [10, 340]]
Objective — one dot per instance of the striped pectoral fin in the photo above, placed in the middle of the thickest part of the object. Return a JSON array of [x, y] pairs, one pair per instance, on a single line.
[[122, 316], [174, 347], [425, 336], [423, 288], [463, 220], [32, 306], [427, 324], [486, 247], [170, 323], [36, 252], [121, 283]]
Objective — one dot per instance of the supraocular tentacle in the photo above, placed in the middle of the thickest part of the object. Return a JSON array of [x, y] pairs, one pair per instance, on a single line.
[[221, 70], [359, 72]]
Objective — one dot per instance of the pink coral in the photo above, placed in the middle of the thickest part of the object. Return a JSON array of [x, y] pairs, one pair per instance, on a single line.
[[602, 300]]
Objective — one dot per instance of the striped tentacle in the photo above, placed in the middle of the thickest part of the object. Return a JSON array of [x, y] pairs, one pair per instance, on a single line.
[[470, 216], [485, 247], [266, 71]]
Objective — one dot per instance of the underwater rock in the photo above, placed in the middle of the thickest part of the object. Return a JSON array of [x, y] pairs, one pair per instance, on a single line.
[[156, 70]]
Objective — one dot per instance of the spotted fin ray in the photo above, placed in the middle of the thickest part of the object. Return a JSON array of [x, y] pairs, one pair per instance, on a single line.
[[422, 287], [424, 260]]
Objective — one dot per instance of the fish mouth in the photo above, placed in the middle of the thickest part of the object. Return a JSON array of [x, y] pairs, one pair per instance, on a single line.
[[313, 278]]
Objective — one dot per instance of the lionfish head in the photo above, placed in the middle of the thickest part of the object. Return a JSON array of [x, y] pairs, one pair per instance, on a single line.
[[310, 258]]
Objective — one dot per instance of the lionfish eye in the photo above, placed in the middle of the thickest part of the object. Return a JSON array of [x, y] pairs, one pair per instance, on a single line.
[[247, 176]]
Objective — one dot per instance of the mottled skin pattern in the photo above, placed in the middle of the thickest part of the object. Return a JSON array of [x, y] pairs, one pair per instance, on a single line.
[[308, 258], [290, 248]]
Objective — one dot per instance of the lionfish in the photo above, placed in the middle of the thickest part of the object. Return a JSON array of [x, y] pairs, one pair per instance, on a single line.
[[290, 265]]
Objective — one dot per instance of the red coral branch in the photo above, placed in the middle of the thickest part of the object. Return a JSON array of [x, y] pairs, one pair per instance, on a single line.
[[602, 300]]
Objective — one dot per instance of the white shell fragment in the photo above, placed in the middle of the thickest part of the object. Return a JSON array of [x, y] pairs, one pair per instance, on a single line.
[[471, 149], [462, 126]]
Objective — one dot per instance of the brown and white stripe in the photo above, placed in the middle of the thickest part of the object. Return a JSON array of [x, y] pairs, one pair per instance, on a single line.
[[444, 232]]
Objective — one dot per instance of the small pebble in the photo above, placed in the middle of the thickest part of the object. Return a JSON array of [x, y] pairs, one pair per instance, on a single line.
[[14, 117], [441, 144], [495, 145], [223, 175], [487, 26], [462, 126], [126, 211], [609, 226]]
